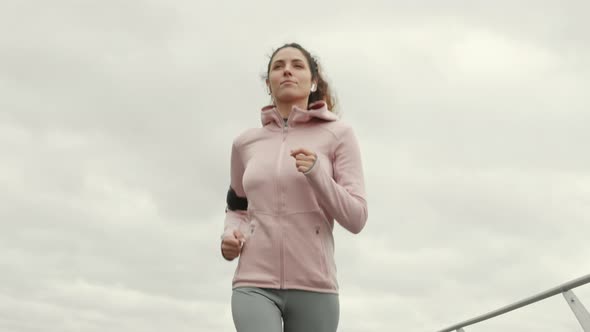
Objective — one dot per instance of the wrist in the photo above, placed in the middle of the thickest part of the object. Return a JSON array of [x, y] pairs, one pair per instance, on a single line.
[[311, 167]]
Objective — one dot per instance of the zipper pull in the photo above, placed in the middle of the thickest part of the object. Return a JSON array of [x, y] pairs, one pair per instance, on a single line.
[[285, 128]]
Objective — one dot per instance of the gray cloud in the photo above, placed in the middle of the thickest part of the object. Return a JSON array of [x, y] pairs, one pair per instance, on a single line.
[[116, 122]]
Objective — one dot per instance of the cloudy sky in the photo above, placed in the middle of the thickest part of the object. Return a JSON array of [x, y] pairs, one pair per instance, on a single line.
[[116, 123]]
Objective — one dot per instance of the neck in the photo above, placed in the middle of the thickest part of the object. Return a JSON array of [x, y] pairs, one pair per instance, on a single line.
[[285, 108]]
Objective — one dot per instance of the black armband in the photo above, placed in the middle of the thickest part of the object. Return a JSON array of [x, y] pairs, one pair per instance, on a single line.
[[235, 202]]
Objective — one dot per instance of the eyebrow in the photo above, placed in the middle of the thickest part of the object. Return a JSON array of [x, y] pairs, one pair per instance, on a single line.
[[294, 60]]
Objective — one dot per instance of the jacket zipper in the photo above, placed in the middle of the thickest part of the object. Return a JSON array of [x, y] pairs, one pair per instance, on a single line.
[[280, 200]]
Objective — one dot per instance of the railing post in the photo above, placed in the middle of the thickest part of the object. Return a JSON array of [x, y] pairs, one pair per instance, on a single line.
[[578, 309]]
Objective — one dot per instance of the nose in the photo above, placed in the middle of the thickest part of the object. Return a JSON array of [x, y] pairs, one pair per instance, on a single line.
[[287, 71]]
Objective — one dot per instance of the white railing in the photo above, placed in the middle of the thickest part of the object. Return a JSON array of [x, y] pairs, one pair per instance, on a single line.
[[566, 289]]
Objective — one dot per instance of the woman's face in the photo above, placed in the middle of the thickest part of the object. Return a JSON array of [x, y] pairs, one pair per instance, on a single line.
[[289, 78]]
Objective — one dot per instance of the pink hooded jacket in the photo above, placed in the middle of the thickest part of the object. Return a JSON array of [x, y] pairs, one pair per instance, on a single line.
[[290, 215]]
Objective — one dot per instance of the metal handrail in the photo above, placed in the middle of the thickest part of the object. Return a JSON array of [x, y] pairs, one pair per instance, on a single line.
[[530, 300]]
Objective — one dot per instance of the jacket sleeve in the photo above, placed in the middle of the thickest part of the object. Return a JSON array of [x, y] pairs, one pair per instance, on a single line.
[[236, 209], [343, 195]]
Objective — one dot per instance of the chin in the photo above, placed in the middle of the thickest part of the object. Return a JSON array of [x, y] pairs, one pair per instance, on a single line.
[[290, 97]]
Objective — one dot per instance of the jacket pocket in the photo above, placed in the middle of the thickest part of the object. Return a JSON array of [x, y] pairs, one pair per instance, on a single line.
[[259, 257], [248, 232], [306, 264], [319, 235]]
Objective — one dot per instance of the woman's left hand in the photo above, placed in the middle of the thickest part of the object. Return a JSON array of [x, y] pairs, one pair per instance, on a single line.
[[304, 159]]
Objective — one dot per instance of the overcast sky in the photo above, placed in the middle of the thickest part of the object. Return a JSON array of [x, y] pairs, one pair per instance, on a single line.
[[116, 123]]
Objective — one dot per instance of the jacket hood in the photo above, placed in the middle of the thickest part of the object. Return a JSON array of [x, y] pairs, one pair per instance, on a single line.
[[318, 109]]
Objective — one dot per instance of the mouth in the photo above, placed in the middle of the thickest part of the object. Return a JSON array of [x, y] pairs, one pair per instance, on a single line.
[[287, 82]]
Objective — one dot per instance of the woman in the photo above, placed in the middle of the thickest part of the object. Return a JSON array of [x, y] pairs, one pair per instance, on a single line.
[[290, 179]]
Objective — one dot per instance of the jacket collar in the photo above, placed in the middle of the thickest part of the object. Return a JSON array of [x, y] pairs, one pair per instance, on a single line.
[[318, 109]]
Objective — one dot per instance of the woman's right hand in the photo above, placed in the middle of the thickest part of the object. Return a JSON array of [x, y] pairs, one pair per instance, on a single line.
[[231, 245]]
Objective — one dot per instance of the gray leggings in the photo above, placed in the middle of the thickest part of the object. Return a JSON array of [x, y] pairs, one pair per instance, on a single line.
[[261, 310]]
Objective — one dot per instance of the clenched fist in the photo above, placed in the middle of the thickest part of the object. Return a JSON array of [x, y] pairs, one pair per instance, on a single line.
[[231, 245], [304, 159]]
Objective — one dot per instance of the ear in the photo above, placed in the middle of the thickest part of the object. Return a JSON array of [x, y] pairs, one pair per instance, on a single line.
[[268, 86], [314, 85]]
